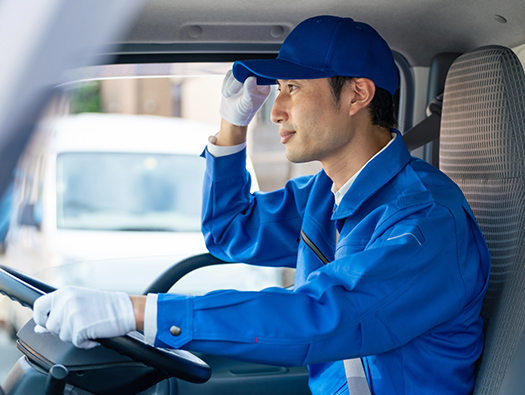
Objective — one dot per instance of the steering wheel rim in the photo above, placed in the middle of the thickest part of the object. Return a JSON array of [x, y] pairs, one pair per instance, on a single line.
[[181, 364]]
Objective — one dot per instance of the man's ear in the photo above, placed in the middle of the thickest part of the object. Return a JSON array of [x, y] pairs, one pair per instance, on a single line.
[[363, 91]]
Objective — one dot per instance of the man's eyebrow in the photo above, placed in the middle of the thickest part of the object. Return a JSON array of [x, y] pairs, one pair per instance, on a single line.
[[282, 82]]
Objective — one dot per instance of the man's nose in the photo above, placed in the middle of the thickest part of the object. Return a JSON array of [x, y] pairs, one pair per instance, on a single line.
[[279, 113]]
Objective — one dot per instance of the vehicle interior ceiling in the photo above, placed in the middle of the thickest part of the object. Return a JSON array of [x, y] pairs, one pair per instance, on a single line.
[[420, 33]]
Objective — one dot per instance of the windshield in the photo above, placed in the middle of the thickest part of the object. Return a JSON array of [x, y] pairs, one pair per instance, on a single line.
[[129, 191], [134, 275]]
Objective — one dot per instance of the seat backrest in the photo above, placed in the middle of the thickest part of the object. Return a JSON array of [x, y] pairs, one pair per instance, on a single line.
[[482, 149]]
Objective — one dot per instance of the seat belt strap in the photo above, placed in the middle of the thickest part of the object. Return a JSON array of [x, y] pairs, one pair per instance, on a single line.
[[424, 132], [356, 378], [355, 373], [428, 129]]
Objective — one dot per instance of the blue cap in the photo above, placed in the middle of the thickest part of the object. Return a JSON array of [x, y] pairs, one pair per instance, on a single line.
[[327, 46]]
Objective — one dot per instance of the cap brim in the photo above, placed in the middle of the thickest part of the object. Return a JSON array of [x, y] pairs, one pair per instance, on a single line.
[[268, 71]]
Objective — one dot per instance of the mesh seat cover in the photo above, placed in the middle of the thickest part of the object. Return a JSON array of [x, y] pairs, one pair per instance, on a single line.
[[482, 149]]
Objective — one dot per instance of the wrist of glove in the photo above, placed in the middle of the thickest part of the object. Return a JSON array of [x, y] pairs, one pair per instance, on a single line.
[[240, 102], [80, 315]]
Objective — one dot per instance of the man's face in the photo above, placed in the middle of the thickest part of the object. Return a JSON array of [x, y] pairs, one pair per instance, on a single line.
[[311, 125]]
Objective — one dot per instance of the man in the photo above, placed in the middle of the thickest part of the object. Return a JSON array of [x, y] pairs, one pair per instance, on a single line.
[[391, 266]]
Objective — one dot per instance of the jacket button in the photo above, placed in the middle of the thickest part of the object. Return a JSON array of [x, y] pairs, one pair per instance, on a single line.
[[175, 330]]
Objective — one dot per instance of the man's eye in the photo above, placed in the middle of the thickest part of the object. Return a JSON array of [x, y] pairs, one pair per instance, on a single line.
[[291, 87]]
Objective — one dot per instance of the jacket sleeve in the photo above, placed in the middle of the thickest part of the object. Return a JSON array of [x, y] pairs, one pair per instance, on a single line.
[[367, 301], [239, 226]]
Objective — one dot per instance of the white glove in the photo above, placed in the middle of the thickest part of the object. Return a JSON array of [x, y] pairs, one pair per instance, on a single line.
[[78, 315], [241, 101]]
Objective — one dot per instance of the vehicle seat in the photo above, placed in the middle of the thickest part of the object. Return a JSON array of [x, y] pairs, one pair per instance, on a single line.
[[482, 149]]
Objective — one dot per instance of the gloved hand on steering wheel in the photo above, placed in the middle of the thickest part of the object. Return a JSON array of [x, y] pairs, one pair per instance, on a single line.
[[79, 315], [240, 102]]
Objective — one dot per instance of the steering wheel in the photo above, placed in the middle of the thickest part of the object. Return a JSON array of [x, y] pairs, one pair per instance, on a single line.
[[25, 289]]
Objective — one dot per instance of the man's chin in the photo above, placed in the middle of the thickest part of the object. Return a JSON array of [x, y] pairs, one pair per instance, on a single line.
[[296, 157]]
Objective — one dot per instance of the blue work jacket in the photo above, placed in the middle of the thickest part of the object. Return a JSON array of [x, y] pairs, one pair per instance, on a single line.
[[402, 288]]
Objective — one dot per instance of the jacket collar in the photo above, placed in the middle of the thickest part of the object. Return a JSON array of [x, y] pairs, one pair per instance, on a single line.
[[373, 176]]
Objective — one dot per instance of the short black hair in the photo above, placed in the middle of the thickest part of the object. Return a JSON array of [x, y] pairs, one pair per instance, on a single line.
[[381, 107]]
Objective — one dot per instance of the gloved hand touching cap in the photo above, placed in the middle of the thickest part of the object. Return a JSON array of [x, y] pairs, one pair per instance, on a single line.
[[240, 102], [79, 315]]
